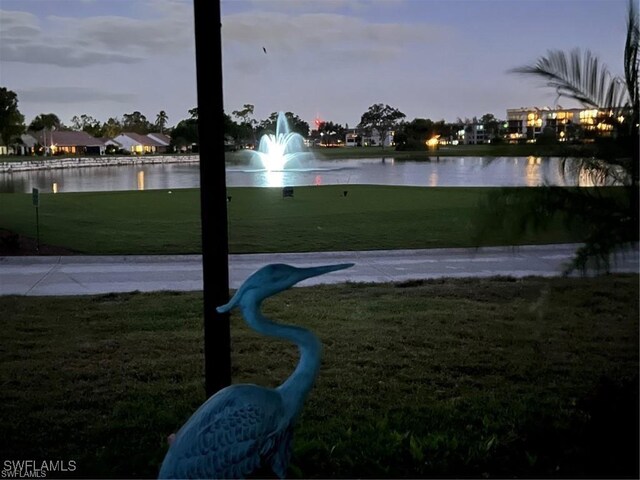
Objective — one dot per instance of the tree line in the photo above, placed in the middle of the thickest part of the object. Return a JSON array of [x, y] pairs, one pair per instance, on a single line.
[[241, 128], [12, 121], [379, 118]]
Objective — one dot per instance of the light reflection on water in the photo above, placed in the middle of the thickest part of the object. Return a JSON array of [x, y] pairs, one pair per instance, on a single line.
[[140, 179], [445, 171]]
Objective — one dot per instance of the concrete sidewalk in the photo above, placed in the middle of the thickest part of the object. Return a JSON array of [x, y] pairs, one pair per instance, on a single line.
[[86, 275]]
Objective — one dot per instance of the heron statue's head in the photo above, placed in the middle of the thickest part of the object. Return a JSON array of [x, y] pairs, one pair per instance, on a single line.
[[272, 279]]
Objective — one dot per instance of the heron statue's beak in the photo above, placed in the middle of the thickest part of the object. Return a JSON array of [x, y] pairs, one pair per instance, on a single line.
[[284, 276], [308, 272]]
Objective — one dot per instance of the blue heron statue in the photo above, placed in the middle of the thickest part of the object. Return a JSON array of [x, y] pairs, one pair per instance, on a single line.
[[243, 428]]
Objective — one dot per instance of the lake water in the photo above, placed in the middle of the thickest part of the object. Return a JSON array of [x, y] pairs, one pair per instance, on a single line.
[[440, 172]]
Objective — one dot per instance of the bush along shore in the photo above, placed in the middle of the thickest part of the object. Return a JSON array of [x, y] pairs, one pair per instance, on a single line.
[[80, 162]]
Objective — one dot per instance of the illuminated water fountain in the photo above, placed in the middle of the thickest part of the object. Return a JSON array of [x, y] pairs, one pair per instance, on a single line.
[[283, 150]]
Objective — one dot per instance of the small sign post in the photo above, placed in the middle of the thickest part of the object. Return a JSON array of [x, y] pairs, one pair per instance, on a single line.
[[35, 196]]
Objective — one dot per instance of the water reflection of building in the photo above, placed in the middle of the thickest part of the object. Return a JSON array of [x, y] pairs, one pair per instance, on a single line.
[[532, 171], [140, 177]]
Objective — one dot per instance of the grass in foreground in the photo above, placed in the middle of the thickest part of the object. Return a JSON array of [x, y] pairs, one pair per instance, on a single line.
[[475, 378], [260, 220]]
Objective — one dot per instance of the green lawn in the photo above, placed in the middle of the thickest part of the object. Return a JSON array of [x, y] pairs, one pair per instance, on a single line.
[[473, 378], [260, 220], [109, 222]]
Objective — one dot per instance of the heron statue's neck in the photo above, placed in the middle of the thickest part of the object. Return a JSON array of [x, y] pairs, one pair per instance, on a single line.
[[295, 388]]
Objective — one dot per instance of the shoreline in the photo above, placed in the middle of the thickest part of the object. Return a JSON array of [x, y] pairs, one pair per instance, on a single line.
[[241, 157], [83, 162]]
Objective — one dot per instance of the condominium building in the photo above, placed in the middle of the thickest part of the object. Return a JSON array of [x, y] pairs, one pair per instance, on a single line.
[[528, 123], [473, 134]]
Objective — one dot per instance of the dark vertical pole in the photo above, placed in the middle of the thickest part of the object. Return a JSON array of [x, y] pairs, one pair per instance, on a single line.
[[213, 196], [35, 199], [37, 231]]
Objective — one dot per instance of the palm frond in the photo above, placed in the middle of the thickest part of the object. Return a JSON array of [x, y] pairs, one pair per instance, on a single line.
[[631, 58], [591, 171], [609, 214], [631, 69], [580, 76], [602, 216]]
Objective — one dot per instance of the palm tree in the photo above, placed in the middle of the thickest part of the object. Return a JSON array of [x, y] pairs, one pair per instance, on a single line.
[[161, 120], [611, 214], [584, 78]]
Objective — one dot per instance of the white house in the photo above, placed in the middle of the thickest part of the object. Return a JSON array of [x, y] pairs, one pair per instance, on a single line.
[[354, 138], [137, 143], [162, 139]]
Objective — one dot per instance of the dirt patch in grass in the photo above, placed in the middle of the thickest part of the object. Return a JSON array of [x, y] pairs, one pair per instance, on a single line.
[[15, 244]]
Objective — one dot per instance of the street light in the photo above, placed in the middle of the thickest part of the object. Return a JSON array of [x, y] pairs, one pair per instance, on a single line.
[[432, 143]]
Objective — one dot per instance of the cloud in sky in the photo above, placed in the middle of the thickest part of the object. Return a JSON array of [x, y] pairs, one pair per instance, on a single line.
[[78, 95], [100, 58], [18, 25], [316, 59], [429, 58], [297, 7], [437, 59], [325, 35], [66, 41], [170, 33]]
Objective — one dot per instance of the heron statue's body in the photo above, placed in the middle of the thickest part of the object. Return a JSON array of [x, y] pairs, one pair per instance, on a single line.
[[245, 428]]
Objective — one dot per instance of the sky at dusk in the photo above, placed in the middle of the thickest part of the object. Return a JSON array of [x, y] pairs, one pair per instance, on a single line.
[[438, 59]]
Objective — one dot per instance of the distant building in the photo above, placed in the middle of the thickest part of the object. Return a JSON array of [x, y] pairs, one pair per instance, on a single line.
[[354, 137], [526, 124], [473, 134], [163, 139], [27, 146], [137, 143], [69, 142], [111, 145], [60, 142]]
